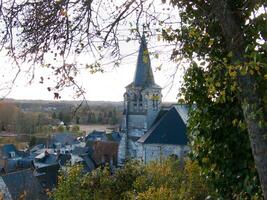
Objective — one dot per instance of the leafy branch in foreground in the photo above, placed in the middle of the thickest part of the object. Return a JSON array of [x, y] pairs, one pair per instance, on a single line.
[[57, 34]]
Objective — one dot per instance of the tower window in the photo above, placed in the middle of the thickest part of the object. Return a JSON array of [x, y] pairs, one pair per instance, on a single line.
[[140, 100]]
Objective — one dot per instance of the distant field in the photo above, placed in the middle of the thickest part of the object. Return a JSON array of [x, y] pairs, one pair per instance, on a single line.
[[90, 128]]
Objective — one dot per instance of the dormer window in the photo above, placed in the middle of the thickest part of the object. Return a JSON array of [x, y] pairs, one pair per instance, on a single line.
[[12, 154]]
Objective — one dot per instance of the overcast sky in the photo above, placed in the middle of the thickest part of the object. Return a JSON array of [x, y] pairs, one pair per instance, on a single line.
[[107, 86]]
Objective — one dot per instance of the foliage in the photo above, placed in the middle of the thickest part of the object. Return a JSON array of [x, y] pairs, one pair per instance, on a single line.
[[166, 180], [32, 141], [225, 84], [61, 128], [75, 129], [219, 137], [104, 114], [8, 115], [13, 119]]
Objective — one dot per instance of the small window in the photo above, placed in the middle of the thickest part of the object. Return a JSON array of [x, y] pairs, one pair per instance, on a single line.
[[12, 154]]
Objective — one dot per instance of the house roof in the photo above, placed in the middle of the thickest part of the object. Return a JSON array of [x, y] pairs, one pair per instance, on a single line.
[[170, 129], [96, 135], [143, 73], [116, 136], [45, 159], [23, 183], [37, 148], [7, 149], [48, 175], [182, 109], [64, 138], [89, 163], [82, 150]]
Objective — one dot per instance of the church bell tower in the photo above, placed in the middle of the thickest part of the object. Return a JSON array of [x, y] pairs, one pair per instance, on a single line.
[[142, 103]]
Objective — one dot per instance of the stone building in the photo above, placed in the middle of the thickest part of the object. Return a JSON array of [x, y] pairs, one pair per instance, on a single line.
[[167, 136], [142, 105]]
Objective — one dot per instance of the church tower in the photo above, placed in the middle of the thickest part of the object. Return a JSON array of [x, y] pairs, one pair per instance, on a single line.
[[142, 103]]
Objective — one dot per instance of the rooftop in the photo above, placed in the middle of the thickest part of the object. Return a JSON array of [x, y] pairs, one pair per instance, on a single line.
[[170, 129]]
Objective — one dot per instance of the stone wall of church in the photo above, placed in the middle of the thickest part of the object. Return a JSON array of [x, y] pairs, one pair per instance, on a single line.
[[122, 149], [137, 122], [134, 149], [151, 152], [153, 104]]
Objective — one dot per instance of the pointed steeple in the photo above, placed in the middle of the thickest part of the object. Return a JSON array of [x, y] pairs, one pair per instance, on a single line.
[[143, 73]]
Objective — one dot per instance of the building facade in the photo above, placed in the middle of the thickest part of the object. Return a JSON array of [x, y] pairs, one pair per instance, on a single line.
[[142, 102], [142, 105]]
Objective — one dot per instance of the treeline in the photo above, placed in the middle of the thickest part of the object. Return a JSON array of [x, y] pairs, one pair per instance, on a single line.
[[89, 115], [13, 119]]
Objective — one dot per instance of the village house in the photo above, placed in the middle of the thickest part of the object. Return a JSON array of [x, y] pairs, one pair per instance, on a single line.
[[21, 185], [12, 159]]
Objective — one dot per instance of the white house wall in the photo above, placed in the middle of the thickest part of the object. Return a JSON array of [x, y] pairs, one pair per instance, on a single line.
[[152, 152]]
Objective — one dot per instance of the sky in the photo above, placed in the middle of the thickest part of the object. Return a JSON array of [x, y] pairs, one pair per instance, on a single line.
[[107, 86]]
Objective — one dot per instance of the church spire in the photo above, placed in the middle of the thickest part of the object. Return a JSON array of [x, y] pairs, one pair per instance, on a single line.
[[143, 73]]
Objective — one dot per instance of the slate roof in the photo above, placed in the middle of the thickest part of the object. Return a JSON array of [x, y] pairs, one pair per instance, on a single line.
[[96, 136], [6, 149], [45, 159], [82, 150], [88, 162], [116, 136], [170, 129], [23, 183], [48, 175], [143, 73], [37, 148], [183, 111], [64, 138]]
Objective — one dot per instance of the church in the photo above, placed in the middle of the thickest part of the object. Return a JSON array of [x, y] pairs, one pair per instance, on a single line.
[[148, 130]]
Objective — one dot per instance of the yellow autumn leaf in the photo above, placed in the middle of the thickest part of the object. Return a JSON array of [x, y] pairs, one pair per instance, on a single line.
[[158, 38]]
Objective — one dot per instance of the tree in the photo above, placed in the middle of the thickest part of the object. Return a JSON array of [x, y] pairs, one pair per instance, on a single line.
[[54, 115], [8, 115], [32, 141], [77, 119], [27, 122], [75, 129], [135, 181], [60, 116], [220, 142], [230, 36]]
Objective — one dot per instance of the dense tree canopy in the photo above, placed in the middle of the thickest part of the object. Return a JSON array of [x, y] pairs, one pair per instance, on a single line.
[[226, 43], [219, 138], [156, 181]]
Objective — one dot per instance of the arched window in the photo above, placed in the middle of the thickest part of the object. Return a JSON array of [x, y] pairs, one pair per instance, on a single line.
[[134, 100], [154, 101], [140, 100]]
